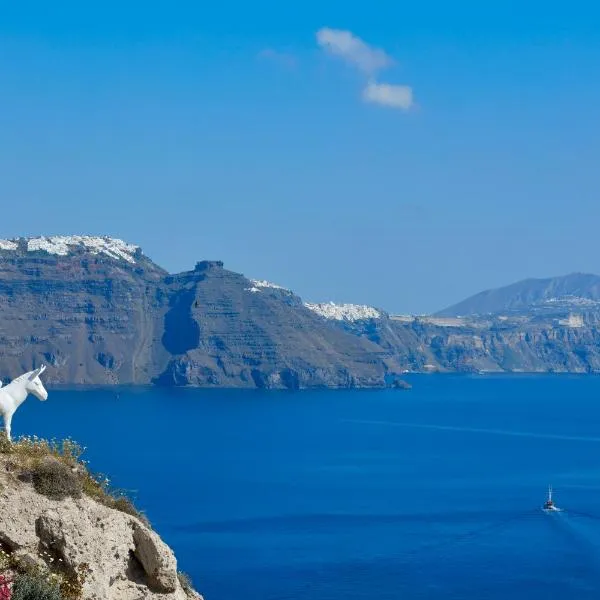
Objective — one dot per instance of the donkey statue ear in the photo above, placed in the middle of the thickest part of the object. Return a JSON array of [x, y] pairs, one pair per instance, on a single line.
[[37, 373]]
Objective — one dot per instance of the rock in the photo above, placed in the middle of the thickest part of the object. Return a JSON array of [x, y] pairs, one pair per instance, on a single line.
[[124, 559], [400, 384], [27, 560], [157, 559]]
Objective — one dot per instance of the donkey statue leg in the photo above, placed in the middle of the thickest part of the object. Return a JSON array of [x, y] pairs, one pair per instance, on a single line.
[[7, 421]]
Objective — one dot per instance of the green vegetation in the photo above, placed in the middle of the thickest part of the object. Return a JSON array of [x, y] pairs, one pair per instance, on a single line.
[[43, 583], [34, 586], [185, 582], [31, 582], [55, 480], [57, 471]]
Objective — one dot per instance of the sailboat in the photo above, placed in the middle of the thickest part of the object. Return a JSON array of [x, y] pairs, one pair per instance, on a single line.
[[549, 505]]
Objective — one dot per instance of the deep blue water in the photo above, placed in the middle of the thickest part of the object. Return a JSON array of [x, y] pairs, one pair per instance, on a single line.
[[432, 493]]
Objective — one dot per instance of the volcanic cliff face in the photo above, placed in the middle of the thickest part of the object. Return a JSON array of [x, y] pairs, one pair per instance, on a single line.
[[91, 310], [100, 312], [564, 343], [222, 329]]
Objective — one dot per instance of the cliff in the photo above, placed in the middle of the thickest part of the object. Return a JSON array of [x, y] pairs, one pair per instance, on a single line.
[[558, 343], [100, 312], [222, 329], [91, 315], [62, 531]]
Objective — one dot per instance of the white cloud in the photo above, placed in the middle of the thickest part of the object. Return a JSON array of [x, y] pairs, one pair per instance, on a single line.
[[386, 94], [352, 49], [369, 60]]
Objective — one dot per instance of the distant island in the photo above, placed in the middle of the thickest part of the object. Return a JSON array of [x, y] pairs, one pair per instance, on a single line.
[[100, 312]]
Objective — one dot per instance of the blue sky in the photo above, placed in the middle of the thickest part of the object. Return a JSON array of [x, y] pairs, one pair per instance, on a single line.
[[403, 155]]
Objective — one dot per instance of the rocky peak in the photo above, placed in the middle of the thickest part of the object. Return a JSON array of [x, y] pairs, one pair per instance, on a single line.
[[205, 265]]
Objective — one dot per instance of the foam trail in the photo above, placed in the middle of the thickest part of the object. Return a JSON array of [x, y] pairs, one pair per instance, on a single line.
[[579, 538], [526, 434]]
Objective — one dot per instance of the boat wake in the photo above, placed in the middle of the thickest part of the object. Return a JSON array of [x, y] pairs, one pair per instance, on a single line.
[[478, 430]]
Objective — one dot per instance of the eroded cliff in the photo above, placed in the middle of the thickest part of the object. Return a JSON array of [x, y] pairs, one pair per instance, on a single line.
[[61, 527]]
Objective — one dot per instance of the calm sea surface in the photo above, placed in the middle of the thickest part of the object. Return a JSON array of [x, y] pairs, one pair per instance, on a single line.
[[432, 493]]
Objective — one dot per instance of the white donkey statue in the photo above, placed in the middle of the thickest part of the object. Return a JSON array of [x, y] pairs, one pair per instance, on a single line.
[[14, 394]]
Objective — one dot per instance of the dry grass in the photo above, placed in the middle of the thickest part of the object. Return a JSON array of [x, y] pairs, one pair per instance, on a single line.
[[55, 480], [57, 470], [185, 582]]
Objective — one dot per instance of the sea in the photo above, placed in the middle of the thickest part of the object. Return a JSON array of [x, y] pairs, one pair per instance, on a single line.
[[432, 493]]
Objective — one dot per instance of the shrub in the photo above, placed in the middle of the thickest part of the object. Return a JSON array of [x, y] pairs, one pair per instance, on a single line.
[[125, 505], [34, 586], [55, 480], [71, 586], [58, 471], [98, 487], [4, 443], [5, 560], [185, 582]]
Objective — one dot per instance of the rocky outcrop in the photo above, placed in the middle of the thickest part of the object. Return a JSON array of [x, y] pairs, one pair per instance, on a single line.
[[123, 558], [157, 560]]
